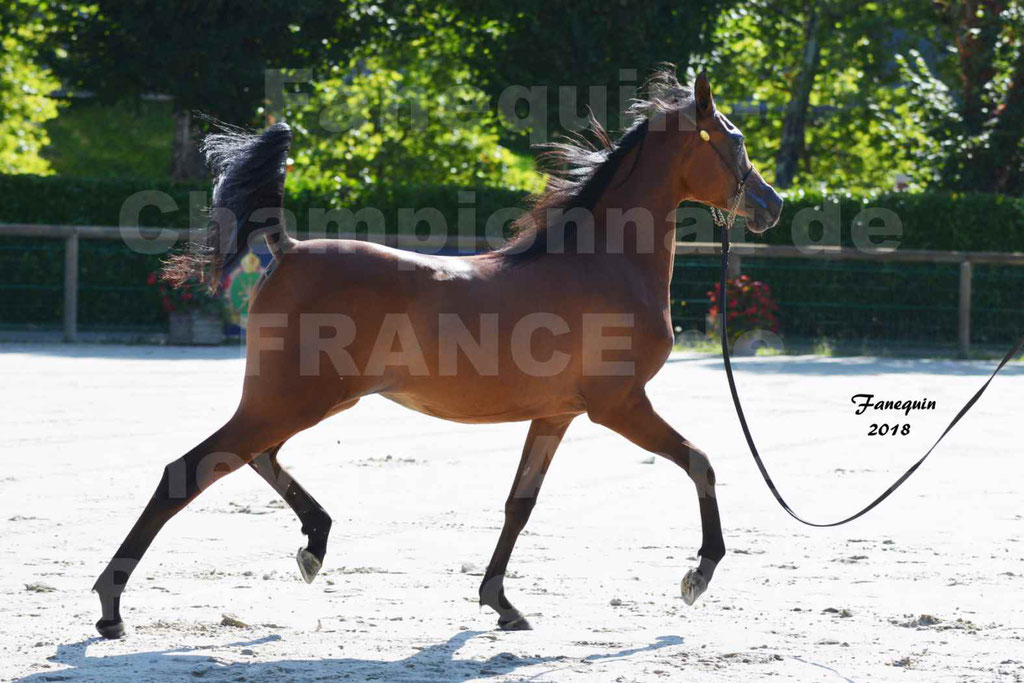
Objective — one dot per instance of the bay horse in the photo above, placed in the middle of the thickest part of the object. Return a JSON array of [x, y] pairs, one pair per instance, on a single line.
[[595, 253]]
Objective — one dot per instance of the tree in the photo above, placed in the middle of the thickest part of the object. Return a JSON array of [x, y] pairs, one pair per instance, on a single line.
[[794, 125], [209, 56], [606, 44], [988, 36], [815, 87], [404, 109], [25, 87]]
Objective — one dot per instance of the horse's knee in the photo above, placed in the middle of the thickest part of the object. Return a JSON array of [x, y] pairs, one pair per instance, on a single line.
[[698, 466], [518, 509]]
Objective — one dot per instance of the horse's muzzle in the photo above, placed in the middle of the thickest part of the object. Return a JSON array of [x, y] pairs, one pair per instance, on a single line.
[[763, 206]]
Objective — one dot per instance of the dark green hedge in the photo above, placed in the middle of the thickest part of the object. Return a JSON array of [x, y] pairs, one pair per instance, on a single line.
[[54, 200], [840, 300], [931, 220], [915, 302], [112, 279], [862, 301], [70, 201]]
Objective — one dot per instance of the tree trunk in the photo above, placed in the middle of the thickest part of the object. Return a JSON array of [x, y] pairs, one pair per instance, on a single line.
[[795, 123], [187, 162], [995, 166], [1008, 133], [977, 27]]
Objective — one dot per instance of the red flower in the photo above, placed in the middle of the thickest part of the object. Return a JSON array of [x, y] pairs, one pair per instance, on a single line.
[[750, 307], [151, 279]]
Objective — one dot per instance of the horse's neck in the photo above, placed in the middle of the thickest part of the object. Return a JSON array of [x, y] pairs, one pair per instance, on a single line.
[[645, 188]]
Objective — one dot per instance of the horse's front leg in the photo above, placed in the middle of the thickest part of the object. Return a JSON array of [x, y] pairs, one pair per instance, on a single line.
[[541, 442], [636, 420]]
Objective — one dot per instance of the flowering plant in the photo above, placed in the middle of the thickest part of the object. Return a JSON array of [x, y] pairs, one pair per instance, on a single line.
[[187, 297], [751, 307]]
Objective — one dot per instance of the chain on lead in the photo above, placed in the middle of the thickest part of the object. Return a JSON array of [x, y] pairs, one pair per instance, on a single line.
[[719, 216]]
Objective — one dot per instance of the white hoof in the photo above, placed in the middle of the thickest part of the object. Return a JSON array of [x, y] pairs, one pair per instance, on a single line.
[[309, 566], [693, 586]]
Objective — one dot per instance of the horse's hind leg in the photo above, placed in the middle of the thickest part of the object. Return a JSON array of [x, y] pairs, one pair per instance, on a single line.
[[637, 421], [316, 523], [227, 449], [541, 442]]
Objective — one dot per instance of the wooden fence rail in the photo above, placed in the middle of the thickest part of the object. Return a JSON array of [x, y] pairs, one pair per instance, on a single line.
[[966, 259], [71, 234]]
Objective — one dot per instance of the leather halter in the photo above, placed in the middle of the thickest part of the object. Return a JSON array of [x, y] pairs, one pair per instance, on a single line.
[[722, 219]]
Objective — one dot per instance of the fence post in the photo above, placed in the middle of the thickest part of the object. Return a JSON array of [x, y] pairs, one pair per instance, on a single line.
[[71, 287], [964, 327], [734, 265]]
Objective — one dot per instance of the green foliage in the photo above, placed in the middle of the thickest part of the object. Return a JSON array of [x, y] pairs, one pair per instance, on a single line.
[[938, 220], [401, 115], [586, 47], [860, 127], [90, 139], [209, 56], [880, 301], [841, 300], [216, 57], [383, 120], [57, 200], [970, 95], [932, 90], [400, 107], [24, 86], [929, 220], [113, 278]]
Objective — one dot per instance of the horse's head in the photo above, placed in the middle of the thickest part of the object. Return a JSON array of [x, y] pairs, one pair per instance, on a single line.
[[719, 166]]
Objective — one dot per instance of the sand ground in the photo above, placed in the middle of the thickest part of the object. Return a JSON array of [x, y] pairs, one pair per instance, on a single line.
[[927, 588]]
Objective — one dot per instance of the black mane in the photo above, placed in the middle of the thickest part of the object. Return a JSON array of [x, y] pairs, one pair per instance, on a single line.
[[581, 170]]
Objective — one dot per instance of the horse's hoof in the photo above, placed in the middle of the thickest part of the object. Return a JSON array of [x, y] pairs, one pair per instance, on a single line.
[[110, 629], [309, 565], [693, 586], [517, 624]]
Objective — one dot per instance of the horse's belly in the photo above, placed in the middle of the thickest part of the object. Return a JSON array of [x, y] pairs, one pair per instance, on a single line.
[[460, 403]]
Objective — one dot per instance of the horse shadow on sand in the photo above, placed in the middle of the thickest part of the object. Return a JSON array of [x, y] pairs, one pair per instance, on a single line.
[[436, 662]]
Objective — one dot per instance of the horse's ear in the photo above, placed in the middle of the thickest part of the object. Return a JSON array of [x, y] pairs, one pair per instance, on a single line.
[[702, 92]]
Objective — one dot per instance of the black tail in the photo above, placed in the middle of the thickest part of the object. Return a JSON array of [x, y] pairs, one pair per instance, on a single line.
[[248, 198]]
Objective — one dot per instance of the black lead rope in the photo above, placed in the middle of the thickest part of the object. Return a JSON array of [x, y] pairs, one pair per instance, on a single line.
[[750, 440]]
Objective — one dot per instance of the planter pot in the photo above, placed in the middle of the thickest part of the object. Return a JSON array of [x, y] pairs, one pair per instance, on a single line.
[[195, 327]]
